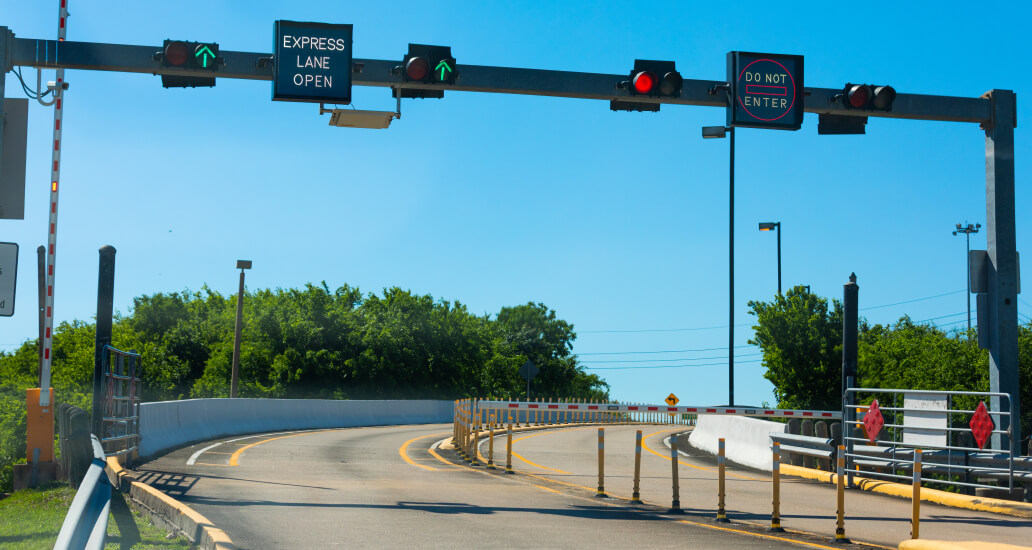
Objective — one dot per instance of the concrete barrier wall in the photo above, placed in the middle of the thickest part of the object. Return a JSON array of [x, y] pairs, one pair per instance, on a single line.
[[166, 425], [746, 439]]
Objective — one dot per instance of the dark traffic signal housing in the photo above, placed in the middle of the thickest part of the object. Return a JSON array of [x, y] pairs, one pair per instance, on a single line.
[[197, 56], [428, 65], [868, 97], [649, 79]]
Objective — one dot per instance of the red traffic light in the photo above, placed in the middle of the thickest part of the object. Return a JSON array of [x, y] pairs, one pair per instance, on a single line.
[[857, 95], [176, 53], [417, 68], [644, 82]]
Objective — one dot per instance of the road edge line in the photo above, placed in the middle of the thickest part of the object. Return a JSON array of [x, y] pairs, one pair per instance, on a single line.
[[166, 510], [980, 504]]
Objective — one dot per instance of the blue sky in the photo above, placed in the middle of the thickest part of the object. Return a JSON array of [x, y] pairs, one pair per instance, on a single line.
[[618, 221]]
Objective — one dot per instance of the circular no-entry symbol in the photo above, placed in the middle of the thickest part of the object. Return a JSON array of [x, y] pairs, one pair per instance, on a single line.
[[766, 90]]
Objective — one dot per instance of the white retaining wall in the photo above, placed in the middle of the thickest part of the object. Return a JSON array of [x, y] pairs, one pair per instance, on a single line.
[[746, 440], [166, 425]]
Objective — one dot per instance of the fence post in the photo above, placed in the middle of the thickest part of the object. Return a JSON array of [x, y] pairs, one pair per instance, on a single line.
[[508, 449], [721, 516], [601, 463], [915, 521], [636, 496], [675, 505], [840, 512], [775, 515]]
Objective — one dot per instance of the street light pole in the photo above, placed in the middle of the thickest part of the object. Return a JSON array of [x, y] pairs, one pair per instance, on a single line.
[[967, 231], [775, 226], [235, 380], [719, 132]]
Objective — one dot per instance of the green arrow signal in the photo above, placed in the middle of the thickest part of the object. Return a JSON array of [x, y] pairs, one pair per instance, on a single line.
[[203, 53], [443, 66]]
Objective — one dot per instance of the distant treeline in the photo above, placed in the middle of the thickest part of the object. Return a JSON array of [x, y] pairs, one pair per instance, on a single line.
[[308, 343]]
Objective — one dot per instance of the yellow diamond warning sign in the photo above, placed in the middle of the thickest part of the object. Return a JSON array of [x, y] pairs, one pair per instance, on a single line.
[[672, 400]]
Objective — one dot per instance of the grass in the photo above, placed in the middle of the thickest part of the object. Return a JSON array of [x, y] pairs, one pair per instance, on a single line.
[[32, 518]]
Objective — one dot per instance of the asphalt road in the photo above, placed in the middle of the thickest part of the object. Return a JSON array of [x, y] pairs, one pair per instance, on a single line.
[[387, 488]]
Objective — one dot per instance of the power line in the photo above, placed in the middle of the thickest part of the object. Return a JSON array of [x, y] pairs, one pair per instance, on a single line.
[[664, 365], [672, 359], [660, 329], [666, 351], [914, 300]]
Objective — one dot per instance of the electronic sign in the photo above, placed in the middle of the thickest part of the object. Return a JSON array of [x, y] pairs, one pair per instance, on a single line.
[[312, 62], [766, 90]]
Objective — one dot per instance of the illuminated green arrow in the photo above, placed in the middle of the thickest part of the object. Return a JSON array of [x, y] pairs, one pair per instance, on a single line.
[[204, 56], [443, 66]]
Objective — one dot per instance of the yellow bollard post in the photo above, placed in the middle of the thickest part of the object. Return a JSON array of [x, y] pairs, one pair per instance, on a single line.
[[636, 496], [721, 515], [476, 433], [537, 413], [775, 476], [508, 450], [490, 448], [675, 505], [601, 464], [840, 525], [915, 521]]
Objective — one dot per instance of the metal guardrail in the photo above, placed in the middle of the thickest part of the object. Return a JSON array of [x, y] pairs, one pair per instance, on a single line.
[[120, 426], [889, 453], [818, 447], [85, 526]]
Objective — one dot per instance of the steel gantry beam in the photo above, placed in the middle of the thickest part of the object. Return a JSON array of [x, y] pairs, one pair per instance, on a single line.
[[995, 112]]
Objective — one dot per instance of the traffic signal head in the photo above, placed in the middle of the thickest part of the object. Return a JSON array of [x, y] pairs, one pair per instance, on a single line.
[[426, 64], [176, 53], [671, 84], [868, 97], [643, 82], [417, 69]]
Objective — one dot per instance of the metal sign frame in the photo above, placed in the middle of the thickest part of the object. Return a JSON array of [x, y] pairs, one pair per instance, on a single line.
[[995, 112]]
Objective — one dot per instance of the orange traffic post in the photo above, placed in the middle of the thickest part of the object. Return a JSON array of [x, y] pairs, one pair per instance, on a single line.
[[840, 526], [775, 515], [508, 450], [721, 515], [476, 433], [915, 521], [601, 464], [675, 505], [636, 496]]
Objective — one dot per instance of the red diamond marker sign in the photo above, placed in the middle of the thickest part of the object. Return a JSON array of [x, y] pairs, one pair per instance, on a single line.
[[873, 421], [981, 425]]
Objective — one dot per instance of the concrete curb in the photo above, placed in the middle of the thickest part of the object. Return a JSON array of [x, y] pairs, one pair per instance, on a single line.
[[167, 511], [921, 544], [994, 505]]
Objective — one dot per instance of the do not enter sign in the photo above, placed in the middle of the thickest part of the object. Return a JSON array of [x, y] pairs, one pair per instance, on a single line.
[[766, 90]]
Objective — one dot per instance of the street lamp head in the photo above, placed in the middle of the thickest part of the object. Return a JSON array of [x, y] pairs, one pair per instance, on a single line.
[[243, 264], [768, 226], [710, 132]]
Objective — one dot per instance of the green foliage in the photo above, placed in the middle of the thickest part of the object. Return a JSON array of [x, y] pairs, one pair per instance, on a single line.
[[802, 348], [801, 341], [307, 343]]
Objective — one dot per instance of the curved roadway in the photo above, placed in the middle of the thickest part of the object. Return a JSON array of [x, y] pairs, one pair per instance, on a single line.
[[389, 487]]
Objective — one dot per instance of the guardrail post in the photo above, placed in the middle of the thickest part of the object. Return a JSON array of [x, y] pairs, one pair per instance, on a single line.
[[915, 520], [775, 515], [601, 464], [675, 505], [840, 510], [636, 496], [721, 516], [508, 450]]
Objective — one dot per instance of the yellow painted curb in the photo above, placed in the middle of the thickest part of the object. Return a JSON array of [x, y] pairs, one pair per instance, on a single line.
[[994, 505], [198, 528], [921, 544]]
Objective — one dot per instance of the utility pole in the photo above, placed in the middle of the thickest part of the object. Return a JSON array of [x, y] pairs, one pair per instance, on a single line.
[[235, 381], [967, 231]]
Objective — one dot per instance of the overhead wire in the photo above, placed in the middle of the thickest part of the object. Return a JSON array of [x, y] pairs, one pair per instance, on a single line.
[[670, 366], [666, 360]]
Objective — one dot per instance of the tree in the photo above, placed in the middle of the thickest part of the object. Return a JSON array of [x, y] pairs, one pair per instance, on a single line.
[[801, 342]]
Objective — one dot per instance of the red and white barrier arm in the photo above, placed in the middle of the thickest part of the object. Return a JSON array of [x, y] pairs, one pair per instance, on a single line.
[[737, 411]]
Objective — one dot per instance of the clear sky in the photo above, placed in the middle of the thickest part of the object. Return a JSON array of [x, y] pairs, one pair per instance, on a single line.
[[617, 220]]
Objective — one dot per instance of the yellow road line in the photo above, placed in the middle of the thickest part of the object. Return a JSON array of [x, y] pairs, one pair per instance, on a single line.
[[550, 489], [234, 460], [404, 454], [762, 536], [535, 435]]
